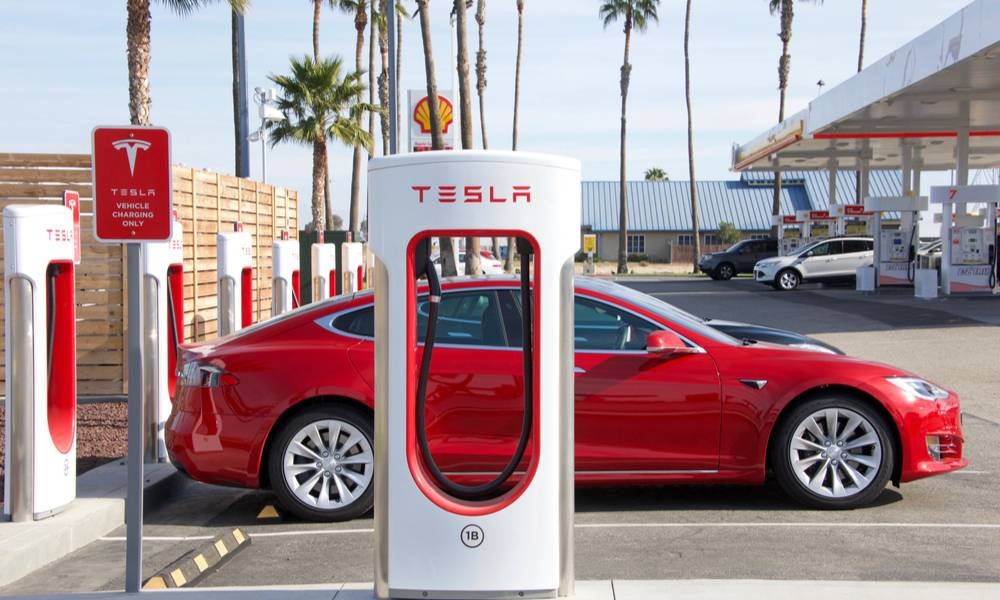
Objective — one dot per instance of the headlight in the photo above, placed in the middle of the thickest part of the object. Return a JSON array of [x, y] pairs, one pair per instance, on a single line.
[[199, 374], [812, 347], [919, 388]]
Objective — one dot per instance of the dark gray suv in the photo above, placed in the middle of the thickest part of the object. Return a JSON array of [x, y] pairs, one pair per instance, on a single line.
[[738, 258]]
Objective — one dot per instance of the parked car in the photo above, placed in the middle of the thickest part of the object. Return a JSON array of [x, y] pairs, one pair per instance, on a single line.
[[835, 259], [257, 408], [738, 258], [488, 264]]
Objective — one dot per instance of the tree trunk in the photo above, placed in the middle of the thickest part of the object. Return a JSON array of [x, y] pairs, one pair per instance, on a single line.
[[383, 78], [360, 24], [481, 71], [371, 76], [784, 66], [508, 263], [622, 175], [448, 266], [319, 183], [695, 225], [317, 4], [472, 261], [399, 68], [239, 134], [137, 36]]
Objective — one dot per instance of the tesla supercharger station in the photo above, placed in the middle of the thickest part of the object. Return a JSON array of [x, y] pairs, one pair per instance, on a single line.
[[40, 367], [235, 278], [508, 537], [352, 266], [324, 271], [286, 284], [968, 240], [163, 297], [896, 248], [789, 233]]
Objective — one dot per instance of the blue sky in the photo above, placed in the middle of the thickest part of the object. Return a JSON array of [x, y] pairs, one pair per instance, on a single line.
[[64, 67]]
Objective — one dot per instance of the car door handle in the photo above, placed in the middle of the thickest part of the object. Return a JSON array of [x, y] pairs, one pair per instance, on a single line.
[[579, 370]]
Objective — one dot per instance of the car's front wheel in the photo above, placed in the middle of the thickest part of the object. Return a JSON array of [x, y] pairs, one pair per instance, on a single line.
[[725, 271], [833, 453], [321, 464], [788, 280]]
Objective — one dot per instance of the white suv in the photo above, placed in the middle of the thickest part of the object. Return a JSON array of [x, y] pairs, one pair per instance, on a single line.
[[826, 260]]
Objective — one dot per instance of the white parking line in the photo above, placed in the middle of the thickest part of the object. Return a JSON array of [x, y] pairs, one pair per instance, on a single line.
[[699, 525]]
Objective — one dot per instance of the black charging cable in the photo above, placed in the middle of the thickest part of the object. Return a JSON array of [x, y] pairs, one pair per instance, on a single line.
[[172, 319], [491, 488], [53, 273]]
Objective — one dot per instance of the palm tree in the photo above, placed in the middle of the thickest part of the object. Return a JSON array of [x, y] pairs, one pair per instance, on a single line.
[[481, 91], [786, 8], [695, 226], [472, 259], [372, 24], [508, 263], [861, 65], [448, 266], [636, 14], [656, 174], [317, 5], [137, 42], [383, 79], [320, 103]]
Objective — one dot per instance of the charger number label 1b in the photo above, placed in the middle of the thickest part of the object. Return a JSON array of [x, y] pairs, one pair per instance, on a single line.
[[472, 536]]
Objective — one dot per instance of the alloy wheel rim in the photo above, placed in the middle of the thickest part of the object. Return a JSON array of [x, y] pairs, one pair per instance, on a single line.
[[726, 271], [328, 464], [835, 452], [787, 280]]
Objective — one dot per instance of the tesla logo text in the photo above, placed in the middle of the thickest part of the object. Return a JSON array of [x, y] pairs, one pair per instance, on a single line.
[[60, 235], [131, 147], [472, 194]]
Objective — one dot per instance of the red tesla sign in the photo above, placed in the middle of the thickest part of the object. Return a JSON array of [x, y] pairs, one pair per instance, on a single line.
[[131, 173]]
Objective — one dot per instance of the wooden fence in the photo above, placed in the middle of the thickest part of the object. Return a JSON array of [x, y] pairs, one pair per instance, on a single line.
[[206, 203], [682, 254]]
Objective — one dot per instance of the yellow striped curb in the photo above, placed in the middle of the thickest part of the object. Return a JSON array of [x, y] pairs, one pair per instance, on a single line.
[[199, 562]]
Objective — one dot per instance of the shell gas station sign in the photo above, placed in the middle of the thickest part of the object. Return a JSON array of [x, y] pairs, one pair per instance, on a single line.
[[420, 120]]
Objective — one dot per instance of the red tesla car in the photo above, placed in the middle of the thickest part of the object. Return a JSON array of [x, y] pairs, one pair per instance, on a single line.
[[287, 404]]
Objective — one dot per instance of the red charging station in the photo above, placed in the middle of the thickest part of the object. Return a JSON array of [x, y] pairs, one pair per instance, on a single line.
[[286, 281], [163, 295], [40, 369], [235, 277]]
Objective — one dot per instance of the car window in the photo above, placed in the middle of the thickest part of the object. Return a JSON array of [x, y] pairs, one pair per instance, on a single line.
[[771, 246], [857, 246], [599, 326], [820, 250], [836, 247], [464, 318], [357, 322]]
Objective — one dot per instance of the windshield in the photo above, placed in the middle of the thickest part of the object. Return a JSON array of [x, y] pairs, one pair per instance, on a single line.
[[670, 312], [735, 247], [806, 248]]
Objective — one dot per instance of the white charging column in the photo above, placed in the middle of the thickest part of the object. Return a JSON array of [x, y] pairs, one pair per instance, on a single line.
[[40, 367], [352, 266], [163, 323], [430, 544], [324, 271], [235, 273], [285, 291]]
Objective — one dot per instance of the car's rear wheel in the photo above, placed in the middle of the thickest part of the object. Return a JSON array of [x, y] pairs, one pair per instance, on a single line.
[[321, 464], [725, 271], [833, 453], [788, 280]]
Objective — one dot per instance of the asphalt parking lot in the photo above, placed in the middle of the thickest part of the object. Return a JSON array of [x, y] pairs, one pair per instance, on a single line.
[[944, 528]]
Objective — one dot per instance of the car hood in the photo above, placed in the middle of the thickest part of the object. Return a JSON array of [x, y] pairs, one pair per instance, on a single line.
[[770, 335]]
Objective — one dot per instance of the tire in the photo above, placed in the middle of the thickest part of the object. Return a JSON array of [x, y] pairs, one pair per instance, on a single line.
[[343, 485], [846, 470], [712, 275], [725, 271], [787, 280]]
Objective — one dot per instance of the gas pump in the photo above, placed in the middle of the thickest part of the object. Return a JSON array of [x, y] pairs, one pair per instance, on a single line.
[[499, 535], [285, 283], [352, 266], [163, 316], [896, 247], [789, 234], [324, 271], [235, 278], [40, 367], [816, 225], [852, 219], [968, 240]]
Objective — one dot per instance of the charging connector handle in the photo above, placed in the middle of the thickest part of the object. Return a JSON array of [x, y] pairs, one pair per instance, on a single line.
[[490, 489]]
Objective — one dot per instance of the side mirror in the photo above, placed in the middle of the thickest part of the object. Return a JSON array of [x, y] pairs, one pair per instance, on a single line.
[[666, 343]]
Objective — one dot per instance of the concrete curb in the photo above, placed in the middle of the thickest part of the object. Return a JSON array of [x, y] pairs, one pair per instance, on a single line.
[[98, 509], [194, 565]]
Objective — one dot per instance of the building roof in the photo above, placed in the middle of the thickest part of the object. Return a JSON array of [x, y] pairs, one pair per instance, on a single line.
[[746, 202]]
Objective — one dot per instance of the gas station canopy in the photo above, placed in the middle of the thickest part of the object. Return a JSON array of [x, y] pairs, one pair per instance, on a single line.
[[934, 95]]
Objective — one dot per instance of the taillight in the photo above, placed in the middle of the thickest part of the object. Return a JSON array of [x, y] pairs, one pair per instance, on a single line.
[[204, 375]]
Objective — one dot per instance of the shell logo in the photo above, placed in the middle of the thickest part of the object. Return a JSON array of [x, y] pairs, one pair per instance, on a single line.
[[422, 114]]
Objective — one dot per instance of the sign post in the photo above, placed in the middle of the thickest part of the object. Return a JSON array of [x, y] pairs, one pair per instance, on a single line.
[[132, 204]]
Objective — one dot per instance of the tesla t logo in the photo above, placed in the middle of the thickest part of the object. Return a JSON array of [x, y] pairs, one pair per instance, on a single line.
[[131, 147], [472, 194]]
